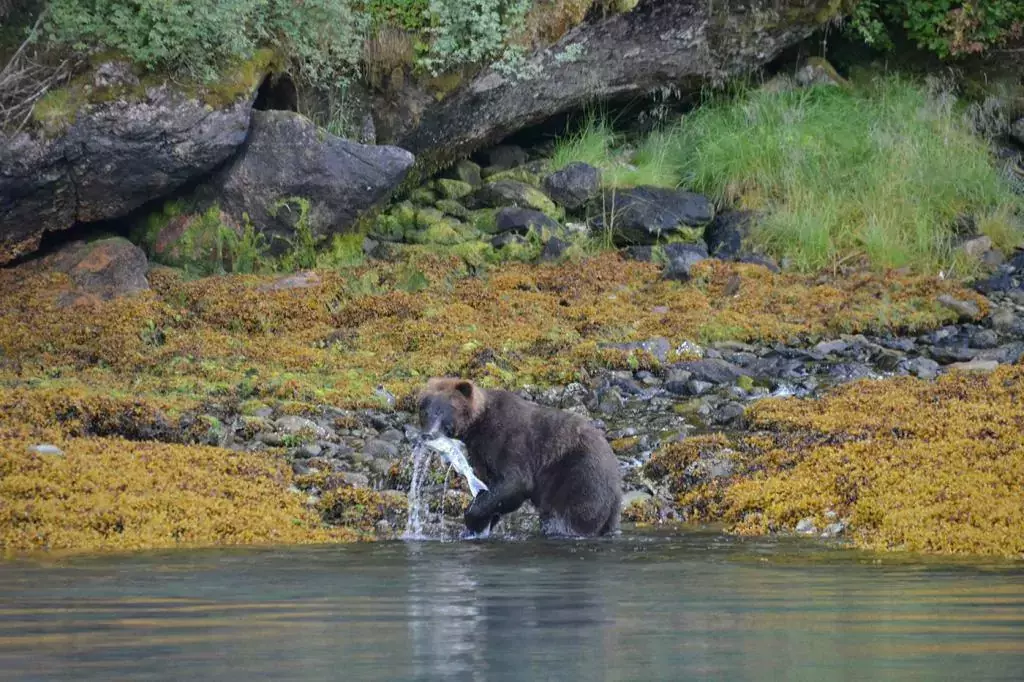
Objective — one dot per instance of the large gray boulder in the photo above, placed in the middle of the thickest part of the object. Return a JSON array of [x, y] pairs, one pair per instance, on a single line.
[[109, 159], [684, 44], [289, 171]]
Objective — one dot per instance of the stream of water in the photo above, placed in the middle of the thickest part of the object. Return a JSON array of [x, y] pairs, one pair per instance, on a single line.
[[635, 607]]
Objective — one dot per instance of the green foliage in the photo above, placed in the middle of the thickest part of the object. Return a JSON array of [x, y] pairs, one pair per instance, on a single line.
[[344, 251], [471, 31], [208, 247], [879, 173], [320, 38], [303, 254], [411, 15], [947, 28], [596, 143]]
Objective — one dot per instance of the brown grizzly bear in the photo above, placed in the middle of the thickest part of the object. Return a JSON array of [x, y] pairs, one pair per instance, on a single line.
[[523, 451]]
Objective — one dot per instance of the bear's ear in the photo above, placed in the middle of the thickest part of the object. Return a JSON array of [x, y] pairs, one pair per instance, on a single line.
[[465, 388]]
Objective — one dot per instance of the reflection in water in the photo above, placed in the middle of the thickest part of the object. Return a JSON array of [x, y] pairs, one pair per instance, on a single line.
[[445, 618], [637, 608]]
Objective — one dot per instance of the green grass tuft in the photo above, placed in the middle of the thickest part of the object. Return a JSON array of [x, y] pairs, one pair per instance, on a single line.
[[879, 173], [876, 174]]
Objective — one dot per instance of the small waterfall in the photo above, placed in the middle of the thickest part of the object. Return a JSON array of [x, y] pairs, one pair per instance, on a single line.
[[452, 452], [417, 502]]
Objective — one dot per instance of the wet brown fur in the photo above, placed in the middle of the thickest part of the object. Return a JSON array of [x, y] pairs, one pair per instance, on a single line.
[[523, 451]]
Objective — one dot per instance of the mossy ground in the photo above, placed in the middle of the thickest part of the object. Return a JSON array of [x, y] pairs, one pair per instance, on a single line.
[[235, 338], [164, 364], [917, 466]]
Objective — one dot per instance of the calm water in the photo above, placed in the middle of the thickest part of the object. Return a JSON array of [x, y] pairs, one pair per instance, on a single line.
[[634, 608]]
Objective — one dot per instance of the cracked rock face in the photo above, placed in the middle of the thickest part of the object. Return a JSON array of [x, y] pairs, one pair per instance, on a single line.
[[112, 159], [287, 158]]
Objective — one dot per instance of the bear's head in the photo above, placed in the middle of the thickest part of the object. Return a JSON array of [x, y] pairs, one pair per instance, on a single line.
[[449, 406]]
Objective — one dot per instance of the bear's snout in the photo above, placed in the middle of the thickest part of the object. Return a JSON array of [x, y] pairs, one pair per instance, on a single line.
[[437, 417]]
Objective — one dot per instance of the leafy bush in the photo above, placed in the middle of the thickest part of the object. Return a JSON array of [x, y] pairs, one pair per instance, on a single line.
[[947, 28], [321, 38], [471, 31]]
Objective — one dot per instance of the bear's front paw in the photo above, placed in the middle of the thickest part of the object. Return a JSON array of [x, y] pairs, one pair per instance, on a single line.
[[478, 517]]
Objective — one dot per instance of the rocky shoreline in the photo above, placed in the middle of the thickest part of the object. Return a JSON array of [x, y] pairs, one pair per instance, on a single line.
[[641, 412]]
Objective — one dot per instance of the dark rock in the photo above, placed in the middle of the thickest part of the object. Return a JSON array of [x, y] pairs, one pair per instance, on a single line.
[[610, 401], [287, 156], [681, 259], [998, 282], [946, 355], [712, 371], [728, 413], [506, 156], [110, 159], [573, 186], [727, 232], [645, 215], [903, 345], [644, 254], [98, 271], [853, 371], [831, 347], [554, 249], [307, 451], [520, 220], [392, 436], [887, 360], [501, 193], [984, 338], [695, 387], [923, 368], [625, 383], [1005, 321]]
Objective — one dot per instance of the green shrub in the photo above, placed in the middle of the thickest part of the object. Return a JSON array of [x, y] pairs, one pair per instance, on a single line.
[[321, 38], [471, 31], [946, 28]]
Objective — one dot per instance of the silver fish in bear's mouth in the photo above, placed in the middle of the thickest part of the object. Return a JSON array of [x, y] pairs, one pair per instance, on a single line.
[[454, 452]]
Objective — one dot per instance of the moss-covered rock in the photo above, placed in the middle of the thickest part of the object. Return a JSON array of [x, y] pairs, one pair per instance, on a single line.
[[405, 213], [422, 196], [444, 233], [453, 208], [503, 193], [465, 171], [519, 174], [452, 189], [485, 220], [429, 217]]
